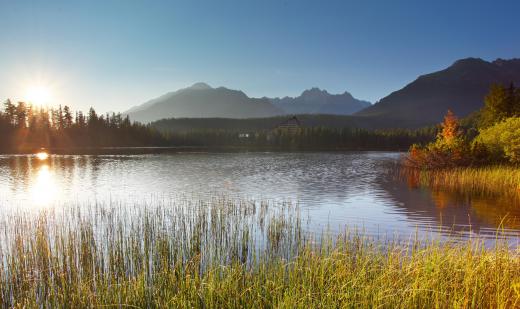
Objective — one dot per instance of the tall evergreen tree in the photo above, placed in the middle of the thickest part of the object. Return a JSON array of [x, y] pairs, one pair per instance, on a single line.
[[67, 117], [21, 115], [10, 112]]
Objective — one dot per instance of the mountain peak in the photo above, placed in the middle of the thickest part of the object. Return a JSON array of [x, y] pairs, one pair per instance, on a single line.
[[318, 101], [460, 88], [504, 62], [200, 86], [202, 101], [470, 60], [313, 92]]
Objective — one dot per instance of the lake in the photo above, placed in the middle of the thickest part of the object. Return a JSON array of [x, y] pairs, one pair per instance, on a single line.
[[334, 190]]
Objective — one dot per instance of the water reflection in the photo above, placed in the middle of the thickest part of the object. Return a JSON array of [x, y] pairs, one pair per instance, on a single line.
[[454, 211], [333, 189], [43, 188]]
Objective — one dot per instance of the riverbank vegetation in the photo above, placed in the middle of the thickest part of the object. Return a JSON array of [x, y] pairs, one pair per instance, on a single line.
[[25, 128], [489, 137], [481, 155], [236, 253], [482, 180]]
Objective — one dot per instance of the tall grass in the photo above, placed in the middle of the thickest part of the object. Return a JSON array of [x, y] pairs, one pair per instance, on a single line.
[[236, 253], [479, 180]]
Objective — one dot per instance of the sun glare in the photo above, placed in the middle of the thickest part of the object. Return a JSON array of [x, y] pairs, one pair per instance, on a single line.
[[42, 155], [43, 189], [38, 95]]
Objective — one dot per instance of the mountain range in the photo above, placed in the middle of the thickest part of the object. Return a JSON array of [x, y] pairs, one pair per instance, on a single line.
[[461, 87], [202, 101], [317, 101]]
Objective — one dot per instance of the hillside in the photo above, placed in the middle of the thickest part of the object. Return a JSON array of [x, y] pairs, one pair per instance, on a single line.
[[461, 88], [203, 101]]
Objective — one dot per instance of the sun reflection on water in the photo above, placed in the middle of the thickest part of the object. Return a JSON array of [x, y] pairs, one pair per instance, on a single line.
[[43, 190], [42, 155]]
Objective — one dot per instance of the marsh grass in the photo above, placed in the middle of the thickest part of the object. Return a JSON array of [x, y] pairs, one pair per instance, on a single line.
[[236, 253], [492, 180]]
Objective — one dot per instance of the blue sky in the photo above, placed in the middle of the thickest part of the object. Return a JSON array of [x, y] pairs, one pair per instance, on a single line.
[[116, 54]]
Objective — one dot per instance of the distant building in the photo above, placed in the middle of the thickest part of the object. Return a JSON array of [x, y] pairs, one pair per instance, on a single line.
[[244, 135], [291, 125]]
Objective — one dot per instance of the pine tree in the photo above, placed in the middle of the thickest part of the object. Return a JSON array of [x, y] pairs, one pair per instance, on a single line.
[[21, 115], [92, 118], [61, 120], [500, 103], [67, 117], [10, 112]]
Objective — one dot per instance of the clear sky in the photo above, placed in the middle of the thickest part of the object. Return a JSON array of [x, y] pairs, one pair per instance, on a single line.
[[116, 54]]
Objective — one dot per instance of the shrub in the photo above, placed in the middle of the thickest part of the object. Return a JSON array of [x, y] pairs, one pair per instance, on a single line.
[[450, 149], [502, 139]]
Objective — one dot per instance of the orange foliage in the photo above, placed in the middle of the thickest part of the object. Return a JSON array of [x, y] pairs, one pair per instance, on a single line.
[[450, 128], [449, 150]]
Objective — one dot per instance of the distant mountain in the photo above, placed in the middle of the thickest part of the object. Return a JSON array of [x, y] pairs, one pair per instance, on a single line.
[[461, 88], [202, 101], [317, 101]]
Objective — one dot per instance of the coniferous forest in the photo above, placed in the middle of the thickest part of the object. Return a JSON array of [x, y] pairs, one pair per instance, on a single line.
[[25, 128]]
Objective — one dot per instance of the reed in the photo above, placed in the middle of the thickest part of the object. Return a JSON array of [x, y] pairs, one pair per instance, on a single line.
[[236, 253], [476, 180]]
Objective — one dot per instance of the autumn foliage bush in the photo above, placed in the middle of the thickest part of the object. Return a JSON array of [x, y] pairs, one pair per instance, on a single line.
[[450, 149]]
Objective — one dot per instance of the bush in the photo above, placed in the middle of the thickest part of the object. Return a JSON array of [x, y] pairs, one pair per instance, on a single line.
[[502, 139], [450, 149]]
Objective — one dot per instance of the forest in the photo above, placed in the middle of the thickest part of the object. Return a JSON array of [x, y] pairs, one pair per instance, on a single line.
[[26, 128]]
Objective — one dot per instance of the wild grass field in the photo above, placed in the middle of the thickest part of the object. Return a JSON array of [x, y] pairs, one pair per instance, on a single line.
[[229, 253]]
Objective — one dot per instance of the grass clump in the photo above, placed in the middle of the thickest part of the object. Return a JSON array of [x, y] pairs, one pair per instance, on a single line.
[[228, 253], [489, 180]]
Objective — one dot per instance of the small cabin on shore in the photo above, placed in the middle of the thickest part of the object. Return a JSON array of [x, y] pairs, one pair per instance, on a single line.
[[291, 125]]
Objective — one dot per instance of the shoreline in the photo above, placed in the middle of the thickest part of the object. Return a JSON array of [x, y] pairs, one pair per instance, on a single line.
[[184, 149]]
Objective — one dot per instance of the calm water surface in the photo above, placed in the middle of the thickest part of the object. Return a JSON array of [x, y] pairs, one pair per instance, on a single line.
[[334, 190]]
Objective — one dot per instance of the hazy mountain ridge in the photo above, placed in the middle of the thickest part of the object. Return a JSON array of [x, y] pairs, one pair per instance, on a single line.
[[460, 87], [317, 101], [202, 101]]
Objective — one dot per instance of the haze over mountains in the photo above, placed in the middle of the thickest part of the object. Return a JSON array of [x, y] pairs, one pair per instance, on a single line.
[[202, 101], [460, 87], [317, 101]]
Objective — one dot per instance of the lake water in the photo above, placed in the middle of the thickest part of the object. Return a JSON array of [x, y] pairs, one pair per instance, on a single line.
[[353, 190]]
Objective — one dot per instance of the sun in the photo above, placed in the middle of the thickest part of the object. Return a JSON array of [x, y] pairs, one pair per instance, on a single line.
[[38, 95]]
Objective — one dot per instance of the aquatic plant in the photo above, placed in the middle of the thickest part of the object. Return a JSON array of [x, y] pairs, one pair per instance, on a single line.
[[235, 253], [489, 180]]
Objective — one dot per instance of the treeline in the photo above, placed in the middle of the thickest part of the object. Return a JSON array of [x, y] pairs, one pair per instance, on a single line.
[[305, 138], [24, 127], [259, 124]]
